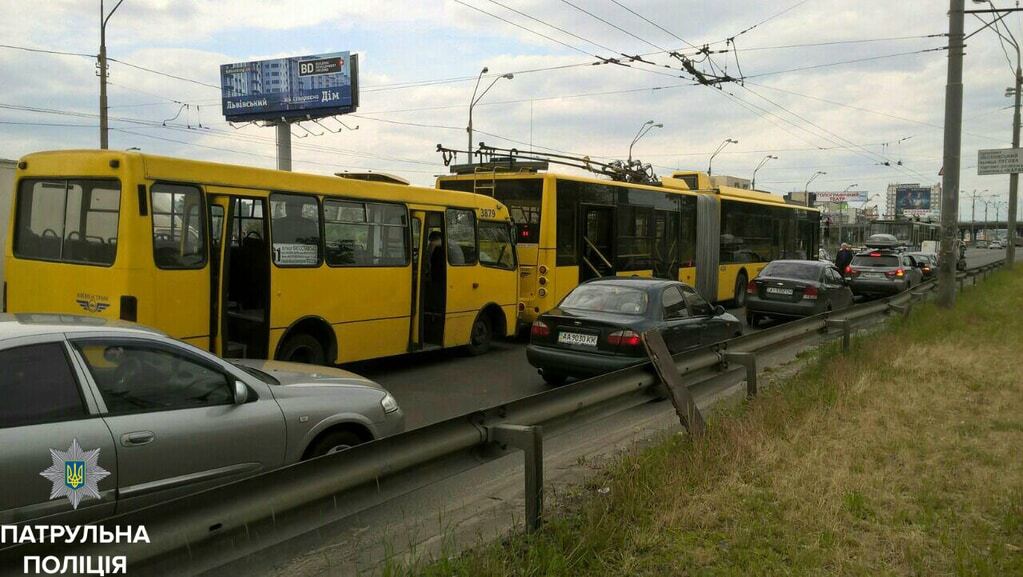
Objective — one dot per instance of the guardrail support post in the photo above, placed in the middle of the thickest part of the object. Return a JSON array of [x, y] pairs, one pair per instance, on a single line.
[[529, 439], [901, 309], [685, 405], [846, 327], [748, 360]]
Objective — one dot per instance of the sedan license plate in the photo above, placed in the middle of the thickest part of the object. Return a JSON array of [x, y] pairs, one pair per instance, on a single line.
[[779, 291], [577, 339], [873, 275]]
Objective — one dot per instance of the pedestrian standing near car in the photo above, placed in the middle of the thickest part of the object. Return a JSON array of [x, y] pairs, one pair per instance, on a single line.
[[843, 258]]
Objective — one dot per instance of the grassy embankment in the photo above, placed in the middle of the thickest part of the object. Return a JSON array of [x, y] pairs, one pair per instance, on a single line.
[[904, 457]]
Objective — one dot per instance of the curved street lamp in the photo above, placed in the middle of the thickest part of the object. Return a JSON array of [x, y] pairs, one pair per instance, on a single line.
[[753, 184], [726, 142], [806, 189], [643, 130], [475, 100]]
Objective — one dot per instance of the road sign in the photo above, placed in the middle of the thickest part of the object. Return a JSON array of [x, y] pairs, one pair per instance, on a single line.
[[999, 161]]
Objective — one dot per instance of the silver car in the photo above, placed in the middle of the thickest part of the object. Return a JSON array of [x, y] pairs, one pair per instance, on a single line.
[[166, 418]]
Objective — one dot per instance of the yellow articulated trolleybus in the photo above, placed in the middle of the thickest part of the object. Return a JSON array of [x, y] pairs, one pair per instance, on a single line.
[[573, 228], [249, 262]]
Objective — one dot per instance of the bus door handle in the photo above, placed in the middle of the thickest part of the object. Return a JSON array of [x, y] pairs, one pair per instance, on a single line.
[[475, 285]]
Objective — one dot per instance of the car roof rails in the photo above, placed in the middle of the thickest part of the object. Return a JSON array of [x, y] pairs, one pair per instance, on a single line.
[[884, 241]]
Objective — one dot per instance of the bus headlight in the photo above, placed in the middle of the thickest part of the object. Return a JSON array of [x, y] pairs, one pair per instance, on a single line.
[[542, 292], [542, 280], [542, 269], [389, 403]]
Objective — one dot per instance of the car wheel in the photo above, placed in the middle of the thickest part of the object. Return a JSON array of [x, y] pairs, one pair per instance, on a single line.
[[553, 379], [303, 348], [334, 442], [740, 290], [481, 336]]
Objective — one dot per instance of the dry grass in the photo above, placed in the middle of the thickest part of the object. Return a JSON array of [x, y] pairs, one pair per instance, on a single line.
[[902, 458]]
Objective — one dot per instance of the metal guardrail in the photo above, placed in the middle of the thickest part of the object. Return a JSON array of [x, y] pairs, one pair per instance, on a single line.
[[205, 530]]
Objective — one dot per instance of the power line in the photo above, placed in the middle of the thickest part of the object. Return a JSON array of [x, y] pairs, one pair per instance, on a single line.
[[43, 51], [777, 15], [549, 25], [854, 61], [613, 25], [838, 42], [530, 30], [174, 76], [655, 25]]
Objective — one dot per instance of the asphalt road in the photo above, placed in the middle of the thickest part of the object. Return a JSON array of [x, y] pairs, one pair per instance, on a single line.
[[437, 385]]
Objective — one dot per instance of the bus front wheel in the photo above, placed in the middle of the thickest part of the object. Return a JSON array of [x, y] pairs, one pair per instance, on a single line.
[[303, 348]]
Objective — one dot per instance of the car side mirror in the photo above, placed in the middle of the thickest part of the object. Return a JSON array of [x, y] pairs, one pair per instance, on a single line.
[[719, 310], [241, 393]]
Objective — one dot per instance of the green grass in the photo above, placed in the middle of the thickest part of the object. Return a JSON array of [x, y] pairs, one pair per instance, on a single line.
[[902, 457]]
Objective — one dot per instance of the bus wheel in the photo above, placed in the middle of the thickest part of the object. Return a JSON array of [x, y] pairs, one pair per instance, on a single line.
[[740, 290], [482, 335], [303, 348]]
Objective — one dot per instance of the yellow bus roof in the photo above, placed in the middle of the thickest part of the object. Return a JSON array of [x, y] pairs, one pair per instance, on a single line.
[[93, 163], [668, 184]]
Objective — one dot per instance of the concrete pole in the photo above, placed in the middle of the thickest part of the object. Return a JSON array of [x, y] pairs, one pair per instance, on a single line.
[[283, 145], [1010, 249], [103, 143], [953, 143]]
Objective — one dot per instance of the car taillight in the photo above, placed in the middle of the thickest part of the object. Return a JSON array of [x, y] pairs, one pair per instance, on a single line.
[[540, 329], [751, 288], [810, 292], [851, 272], [624, 338], [927, 269], [848, 269], [897, 273]]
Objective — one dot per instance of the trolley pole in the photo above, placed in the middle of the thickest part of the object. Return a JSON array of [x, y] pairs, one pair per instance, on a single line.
[[1010, 249], [953, 143], [283, 145]]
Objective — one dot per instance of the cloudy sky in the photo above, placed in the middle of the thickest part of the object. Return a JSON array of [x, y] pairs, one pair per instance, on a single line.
[[834, 86]]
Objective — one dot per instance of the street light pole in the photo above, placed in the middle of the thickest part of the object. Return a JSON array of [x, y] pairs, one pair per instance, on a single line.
[[103, 123], [753, 184], [726, 142], [1010, 248], [475, 99], [643, 130], [952, 145], [806, 189]]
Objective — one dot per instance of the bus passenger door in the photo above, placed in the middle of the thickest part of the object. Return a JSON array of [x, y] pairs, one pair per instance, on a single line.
[[242, 289], [429, 280], [219, 205], [597, 242]]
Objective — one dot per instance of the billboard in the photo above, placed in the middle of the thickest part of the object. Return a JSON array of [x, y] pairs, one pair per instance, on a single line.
[[912, 199], [290, 88], [843, 196]]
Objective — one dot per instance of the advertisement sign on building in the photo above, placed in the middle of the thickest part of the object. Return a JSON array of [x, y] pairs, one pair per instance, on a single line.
[[290, 88], [842, 196], [913, 199]]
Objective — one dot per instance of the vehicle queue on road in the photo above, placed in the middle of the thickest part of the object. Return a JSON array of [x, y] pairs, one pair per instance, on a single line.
[[250, 264]]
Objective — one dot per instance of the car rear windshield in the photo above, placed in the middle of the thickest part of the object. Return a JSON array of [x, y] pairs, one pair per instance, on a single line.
[[878, 261], [606, 298], [793, 270]]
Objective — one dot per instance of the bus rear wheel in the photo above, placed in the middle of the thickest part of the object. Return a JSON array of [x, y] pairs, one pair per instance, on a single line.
[[740, 290], [481, 337], [303, 348]]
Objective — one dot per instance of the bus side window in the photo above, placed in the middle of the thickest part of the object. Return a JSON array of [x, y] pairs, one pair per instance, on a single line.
[[461, 240], [179, 226], [295, 229]]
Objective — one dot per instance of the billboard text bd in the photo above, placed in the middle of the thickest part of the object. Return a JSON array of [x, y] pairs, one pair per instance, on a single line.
[[290, 88]]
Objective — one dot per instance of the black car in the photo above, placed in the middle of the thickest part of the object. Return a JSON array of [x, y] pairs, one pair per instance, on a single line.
[[926, 262], [596, 328], [795, 288]]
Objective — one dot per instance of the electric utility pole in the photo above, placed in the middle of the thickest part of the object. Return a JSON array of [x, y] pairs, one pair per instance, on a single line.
[[103, 124], [953, 143], [1010, 248]]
